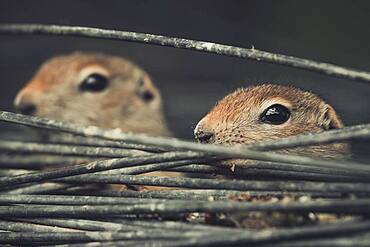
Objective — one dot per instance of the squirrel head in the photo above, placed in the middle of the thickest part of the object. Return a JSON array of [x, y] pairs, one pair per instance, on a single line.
[[268, 112], [94, 89]]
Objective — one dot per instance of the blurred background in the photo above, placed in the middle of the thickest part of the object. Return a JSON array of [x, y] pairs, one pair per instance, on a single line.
[[191, 82]]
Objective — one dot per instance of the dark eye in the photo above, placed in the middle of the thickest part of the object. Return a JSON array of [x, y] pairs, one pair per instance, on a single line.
[[94, 83], [275, 114]]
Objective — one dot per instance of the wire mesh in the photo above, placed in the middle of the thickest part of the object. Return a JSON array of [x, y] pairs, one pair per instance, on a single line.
[[62, 190]]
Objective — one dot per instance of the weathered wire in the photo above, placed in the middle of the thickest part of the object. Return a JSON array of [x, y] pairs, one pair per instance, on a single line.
[[97, 142], [176, 225], [98, 215], [36, 188], [208, 194], [195, 238], [72, 200], [44, 161], [200, 183], [337, 135], [258, 173], [30, 227], [361, 131], [72, 237], [125, 243], [220, 49], [140, 169], [359, 206], [32, 147], [346, 133], [81, 224], [358, 240], [96, 166], [301, 168], [112, 224], [255, 170], [302, 233], [31, 161], [226, 152]]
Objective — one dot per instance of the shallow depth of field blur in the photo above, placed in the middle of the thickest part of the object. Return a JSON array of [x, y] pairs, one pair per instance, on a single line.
[[191, 82]]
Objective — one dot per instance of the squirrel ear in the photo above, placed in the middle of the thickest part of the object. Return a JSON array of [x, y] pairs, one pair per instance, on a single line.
[[145, 91], [331, 119]]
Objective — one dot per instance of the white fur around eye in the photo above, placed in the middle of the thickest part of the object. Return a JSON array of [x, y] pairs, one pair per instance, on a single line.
[[273, 101], [91, 69]]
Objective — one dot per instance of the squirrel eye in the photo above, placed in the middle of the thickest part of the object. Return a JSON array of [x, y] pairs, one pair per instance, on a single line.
[[275, 114], [94, 83]]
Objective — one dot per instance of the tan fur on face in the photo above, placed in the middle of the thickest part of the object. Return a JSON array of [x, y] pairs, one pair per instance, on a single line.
[[236, 119], [54, 90]]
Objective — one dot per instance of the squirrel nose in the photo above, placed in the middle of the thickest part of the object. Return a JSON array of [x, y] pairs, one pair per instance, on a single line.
[[24, 103], [26, 108], [203, 132], [203, 137]]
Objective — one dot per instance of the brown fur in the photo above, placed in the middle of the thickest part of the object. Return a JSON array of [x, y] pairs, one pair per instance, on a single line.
[[236, 119], [54, 91]]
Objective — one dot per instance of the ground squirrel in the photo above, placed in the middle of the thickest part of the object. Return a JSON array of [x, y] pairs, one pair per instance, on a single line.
[[267, 112], [95, 89]]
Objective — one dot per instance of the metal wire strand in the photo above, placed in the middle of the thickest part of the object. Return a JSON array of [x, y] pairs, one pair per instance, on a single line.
[[75, 205], [359, 206], [225, 152], [97, 166], [220, 49], [226, 184]]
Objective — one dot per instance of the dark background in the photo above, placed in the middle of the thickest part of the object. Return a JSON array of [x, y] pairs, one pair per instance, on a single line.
[[191, 82]]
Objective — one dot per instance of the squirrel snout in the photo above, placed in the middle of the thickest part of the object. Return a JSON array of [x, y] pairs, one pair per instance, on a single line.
[[203, 135], [26, 108], [24, 105]]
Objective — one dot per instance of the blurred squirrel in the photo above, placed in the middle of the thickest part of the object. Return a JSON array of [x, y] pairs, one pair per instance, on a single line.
[[95, 89]]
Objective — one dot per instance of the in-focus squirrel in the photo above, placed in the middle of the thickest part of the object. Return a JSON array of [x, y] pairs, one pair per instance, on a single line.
[[268, 112]]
